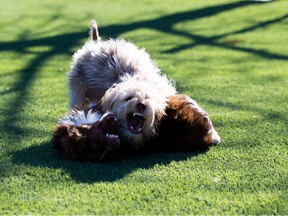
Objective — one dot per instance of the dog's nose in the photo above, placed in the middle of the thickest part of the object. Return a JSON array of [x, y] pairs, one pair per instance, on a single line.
[[140, 107], [215, 142], [215, 137]]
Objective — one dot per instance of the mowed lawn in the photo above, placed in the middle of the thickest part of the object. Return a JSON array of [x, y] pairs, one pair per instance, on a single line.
[[230, 56]]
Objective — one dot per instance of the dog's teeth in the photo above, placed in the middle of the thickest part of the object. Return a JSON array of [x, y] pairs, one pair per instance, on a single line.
[[111, 136], [136, 114]]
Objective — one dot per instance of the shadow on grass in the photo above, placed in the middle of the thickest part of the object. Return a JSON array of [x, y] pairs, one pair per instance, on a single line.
[[43, 156], [269, 115]]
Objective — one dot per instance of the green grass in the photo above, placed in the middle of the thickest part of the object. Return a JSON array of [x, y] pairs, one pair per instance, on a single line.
[[230, 56]]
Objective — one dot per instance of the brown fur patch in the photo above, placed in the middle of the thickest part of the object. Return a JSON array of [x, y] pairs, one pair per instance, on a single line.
[[185, 127], [83, 143]]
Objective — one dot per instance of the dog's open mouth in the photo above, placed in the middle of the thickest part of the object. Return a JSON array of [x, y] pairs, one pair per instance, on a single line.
[[135, 122], [109, 129]]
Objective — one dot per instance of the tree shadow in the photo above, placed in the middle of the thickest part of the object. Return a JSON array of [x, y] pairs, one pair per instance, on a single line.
[[269, 115], [43, 156], [213, 41]]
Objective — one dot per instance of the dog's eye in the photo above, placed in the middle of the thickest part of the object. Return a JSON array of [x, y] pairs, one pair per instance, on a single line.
[[128, 98]]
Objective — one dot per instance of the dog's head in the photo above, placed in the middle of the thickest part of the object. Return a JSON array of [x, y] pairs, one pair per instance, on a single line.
[[186, 126], [86, 136], [138, 110]]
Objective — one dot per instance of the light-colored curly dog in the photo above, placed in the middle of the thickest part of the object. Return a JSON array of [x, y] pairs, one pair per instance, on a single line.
[[125, 81]]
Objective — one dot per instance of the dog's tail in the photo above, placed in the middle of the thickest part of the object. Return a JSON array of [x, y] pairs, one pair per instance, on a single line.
[[94, 34]]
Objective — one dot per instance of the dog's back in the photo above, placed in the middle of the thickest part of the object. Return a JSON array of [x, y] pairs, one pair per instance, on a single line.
[[100, 64]]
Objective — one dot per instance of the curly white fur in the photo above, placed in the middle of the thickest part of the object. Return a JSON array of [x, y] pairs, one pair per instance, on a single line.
[[125, 80]]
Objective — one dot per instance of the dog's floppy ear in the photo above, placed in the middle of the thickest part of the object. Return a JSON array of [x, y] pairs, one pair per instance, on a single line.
[[94, 34], [60, 140], [68, 141], [107, 101], [76, 139]]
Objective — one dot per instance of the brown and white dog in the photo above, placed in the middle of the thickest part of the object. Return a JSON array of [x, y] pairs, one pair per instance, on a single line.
[[185, 127], [86, 135], [125, 81]]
